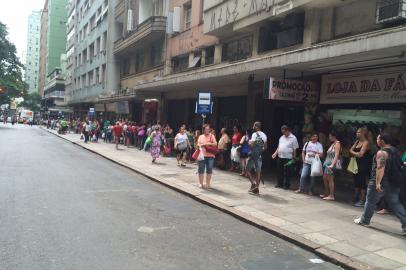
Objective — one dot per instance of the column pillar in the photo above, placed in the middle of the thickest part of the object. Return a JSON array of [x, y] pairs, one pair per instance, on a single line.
[[251, 96], [218, 53], [311, 27], [162, 109]]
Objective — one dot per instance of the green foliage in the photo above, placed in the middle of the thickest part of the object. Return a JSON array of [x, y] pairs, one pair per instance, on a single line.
[[32, 102], [11, 82]]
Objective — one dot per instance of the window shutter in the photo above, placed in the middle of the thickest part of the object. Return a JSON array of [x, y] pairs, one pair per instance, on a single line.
[[176, 19]]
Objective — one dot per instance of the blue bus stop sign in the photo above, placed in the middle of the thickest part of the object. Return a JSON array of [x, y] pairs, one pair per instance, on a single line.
[[204, 103]]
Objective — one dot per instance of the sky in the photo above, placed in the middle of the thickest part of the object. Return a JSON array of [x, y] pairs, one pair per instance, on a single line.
[[14, 13]]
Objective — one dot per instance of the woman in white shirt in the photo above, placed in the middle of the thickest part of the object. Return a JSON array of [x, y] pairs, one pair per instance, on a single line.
[[181, 145], [310, 150]]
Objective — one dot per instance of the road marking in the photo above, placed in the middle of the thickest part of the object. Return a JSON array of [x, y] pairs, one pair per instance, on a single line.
[[145, 229]]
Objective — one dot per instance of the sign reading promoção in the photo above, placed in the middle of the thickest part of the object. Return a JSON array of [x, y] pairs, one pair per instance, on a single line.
[[293, 90]]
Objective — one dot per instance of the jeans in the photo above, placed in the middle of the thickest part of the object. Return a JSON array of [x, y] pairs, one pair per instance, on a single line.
[[391, 195], [86, 133], [283, 173], [146, 146], [207, 164], [306, 170]]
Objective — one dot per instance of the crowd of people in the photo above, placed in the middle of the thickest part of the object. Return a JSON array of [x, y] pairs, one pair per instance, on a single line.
[[241, 151]]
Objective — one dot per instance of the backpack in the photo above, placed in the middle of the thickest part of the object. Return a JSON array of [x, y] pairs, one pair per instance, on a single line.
[[257, 148], [305, 147], [245, 148], [395, 172]]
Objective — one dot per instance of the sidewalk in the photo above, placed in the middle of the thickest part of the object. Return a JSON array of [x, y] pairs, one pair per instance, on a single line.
[[325, 228]]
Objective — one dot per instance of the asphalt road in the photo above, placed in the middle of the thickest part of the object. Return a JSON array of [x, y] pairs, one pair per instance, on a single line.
[[62, 207]]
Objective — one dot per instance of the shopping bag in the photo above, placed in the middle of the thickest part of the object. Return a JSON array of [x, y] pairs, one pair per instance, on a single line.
[[235, 156], [149, 140], [201, 156], [195, 155], [317, 167], [103, 135], [353, 166], [167, 150]]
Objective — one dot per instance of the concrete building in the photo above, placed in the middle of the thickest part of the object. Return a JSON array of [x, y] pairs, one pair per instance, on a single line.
[[140, 50], [92, 72], [70, 48], [54, 91], [32, 54], [53, 39], [42, 70]]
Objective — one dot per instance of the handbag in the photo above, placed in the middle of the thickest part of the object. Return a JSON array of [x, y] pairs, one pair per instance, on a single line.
[[353, 166], [181, 146], [339, 164], [212, 150], [149, 140]]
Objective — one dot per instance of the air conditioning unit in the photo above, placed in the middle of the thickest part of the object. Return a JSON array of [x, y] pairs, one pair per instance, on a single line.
[[389, 11]]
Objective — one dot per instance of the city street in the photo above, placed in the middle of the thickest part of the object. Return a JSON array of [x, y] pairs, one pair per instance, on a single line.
[[64, 208]]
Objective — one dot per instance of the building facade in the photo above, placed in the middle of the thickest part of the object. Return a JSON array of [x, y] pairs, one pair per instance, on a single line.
[[91, 72], [313, 64], [32, 53], [53, 38]]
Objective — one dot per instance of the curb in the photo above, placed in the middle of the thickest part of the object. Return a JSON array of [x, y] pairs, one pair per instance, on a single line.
[[324, 253]]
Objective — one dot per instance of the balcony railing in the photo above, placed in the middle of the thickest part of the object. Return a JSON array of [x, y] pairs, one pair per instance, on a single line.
[[153, 25], [54, 94]]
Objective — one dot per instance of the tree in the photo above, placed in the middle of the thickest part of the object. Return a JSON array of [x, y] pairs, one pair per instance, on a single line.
[[11, 83], [32, 102]]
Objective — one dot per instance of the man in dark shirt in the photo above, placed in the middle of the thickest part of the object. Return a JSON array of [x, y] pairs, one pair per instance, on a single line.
[[381, 185]]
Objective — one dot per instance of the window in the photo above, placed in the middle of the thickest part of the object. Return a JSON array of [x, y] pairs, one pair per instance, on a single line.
[[187, 15], [282, 34], [90, 76], [180, 63], [97, 78], [238, 49], [97, 46], [84, 57], [91, 51], [156, 54], [157, 7], [125, 67], [103, 73], [209, 57], [103, 41], [93, 22], [139, 61]]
